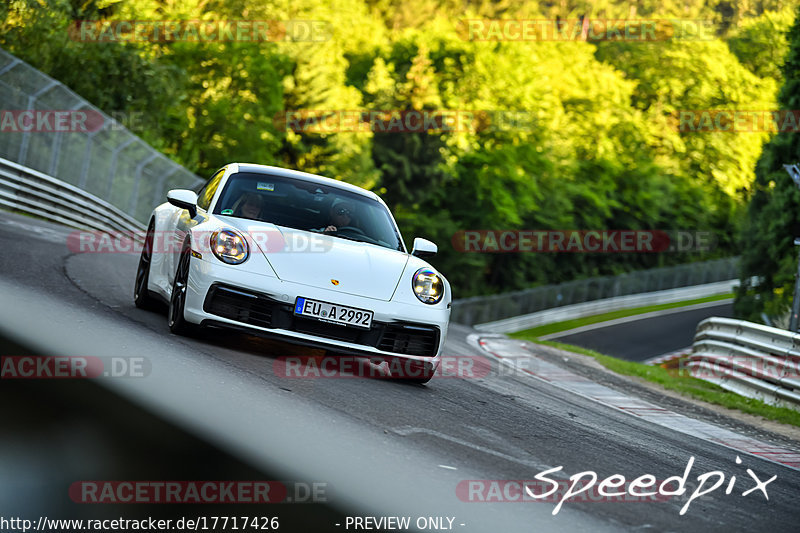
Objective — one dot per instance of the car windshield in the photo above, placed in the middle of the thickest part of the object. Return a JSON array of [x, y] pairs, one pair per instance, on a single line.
[[308, 206]]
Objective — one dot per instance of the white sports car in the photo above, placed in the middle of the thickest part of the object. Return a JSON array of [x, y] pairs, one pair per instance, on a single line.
[[299, 257]]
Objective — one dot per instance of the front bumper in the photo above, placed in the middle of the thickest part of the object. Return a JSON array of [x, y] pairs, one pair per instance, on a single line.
[[222, 295]]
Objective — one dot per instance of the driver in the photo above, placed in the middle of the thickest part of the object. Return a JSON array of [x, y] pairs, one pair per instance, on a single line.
[[250, 205], [340, 215]]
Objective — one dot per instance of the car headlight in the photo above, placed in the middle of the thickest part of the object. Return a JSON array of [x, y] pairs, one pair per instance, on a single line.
[[229, 246], [428, 286]]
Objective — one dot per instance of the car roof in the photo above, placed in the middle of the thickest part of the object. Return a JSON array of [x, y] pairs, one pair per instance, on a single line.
[[305, 176]]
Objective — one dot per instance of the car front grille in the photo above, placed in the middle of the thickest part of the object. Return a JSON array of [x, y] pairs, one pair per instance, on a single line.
[[263, 311], [240, 306], [410, 339]]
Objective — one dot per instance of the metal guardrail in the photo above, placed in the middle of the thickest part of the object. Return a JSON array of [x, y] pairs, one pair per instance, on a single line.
[[27, 190], [106, 160], [596, 307], [750, 359], [486, 309]]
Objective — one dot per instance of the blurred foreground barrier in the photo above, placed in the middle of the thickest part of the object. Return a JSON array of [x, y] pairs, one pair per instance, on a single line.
[[750, 359], [29, 191]]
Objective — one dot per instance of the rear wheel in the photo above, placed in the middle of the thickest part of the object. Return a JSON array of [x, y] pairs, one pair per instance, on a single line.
[[177, 301], [142, 297]]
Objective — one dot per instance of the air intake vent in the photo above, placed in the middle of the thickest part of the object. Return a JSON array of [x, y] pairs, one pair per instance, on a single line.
[[239, 305], [410, 340]]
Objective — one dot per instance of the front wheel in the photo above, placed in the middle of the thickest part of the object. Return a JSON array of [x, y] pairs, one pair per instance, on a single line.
[[142, 297], [177, 301], [412, 372]]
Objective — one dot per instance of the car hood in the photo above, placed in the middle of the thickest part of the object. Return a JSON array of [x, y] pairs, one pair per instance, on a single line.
[[327, 262]]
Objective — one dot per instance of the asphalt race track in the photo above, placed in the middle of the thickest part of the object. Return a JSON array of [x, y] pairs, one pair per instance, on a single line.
[[383, 446], [643, 338]]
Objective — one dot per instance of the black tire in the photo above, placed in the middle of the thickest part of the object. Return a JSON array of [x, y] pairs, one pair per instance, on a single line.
[[415, 373], [177, 301], [426, 377], [142, 297]]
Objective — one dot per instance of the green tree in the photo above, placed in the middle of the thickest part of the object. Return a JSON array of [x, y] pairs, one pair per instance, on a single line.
[[116, 77], [563, 135], [760, 43], [769, 258]]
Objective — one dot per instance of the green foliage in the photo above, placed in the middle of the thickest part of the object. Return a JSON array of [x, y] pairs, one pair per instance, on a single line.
[[565, 135], [769, 261], [115, 77], [760, 44], [703, 75]]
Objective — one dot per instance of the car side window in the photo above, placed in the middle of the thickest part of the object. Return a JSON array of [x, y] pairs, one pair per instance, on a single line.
[[205, 194]]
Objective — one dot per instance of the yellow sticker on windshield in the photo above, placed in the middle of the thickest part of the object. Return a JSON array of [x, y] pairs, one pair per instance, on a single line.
[[265, 186]]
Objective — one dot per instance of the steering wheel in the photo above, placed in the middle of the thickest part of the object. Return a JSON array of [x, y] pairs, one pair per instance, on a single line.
[[355, 232], [350, 229]]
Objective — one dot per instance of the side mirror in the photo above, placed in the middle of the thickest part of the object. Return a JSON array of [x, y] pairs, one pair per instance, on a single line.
[[423, 248], [185, 199]]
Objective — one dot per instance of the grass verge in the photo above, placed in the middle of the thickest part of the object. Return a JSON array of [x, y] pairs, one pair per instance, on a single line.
[[676, 380], [555, 327]]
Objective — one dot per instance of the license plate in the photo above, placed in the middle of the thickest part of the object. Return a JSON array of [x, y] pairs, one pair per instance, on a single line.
[[337, 314]]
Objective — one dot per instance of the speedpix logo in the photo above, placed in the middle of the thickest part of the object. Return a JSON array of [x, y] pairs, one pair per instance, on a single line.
[[589, 487]]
